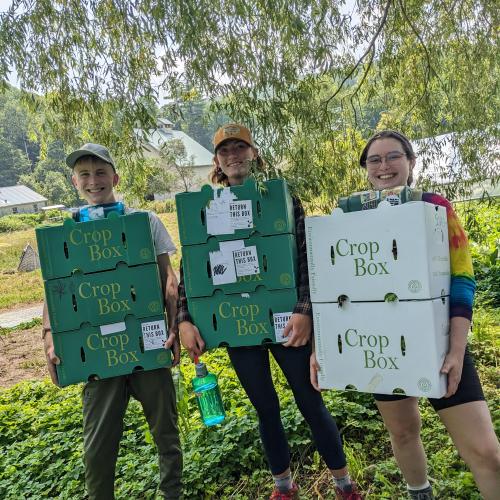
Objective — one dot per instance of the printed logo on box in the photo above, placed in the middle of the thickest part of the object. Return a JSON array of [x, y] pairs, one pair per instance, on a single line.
[[414, 286], [115, 347], [373, 347], [285, 279], [97, 243], [145, 253], [107, 296], [279, 225], [154, 306], [365, 255], [246, 317], [424, 384]]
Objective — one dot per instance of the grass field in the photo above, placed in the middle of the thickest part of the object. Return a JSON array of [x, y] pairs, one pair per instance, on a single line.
[[17, 288]]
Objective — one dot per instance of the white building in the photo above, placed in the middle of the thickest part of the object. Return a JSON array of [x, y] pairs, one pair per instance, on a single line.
[[20, 200], [198, 161]]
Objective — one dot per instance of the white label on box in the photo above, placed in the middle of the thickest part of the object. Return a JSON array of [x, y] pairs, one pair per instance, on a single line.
[[280, 320], [240, 213], [154, 334], [113, 328], [222, 266], [246, 261], [218, 221], [218, 213]]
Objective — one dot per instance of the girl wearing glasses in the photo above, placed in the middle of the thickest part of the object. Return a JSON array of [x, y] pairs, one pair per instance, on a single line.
[[389, 160]]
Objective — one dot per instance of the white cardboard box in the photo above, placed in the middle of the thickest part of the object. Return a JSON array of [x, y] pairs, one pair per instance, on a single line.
[[399, 249], [383, 346]]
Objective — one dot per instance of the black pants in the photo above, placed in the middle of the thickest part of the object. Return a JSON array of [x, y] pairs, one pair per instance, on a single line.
[[253, 369]]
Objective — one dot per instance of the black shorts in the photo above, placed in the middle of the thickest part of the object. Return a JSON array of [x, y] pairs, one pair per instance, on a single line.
[[469, 389]]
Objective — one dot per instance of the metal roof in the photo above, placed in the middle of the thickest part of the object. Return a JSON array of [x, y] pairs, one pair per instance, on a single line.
[[18, 195], [156, 138]]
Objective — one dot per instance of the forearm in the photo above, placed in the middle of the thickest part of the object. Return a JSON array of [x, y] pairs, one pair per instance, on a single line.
[[169, 287], [45, 321], [459, 328]]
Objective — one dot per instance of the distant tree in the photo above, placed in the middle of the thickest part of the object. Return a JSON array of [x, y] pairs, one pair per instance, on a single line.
[[297, 72], [13, 164], [17, 126], [52, 178], [174, 169]]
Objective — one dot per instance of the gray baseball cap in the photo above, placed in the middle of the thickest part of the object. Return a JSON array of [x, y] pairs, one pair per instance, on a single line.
[[92, 150]]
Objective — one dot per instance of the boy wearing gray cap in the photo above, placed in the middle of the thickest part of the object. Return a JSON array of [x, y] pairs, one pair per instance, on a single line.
[[105, 401]]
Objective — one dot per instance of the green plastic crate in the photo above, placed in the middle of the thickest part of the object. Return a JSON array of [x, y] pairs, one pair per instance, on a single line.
[[272, 211], [103, 298], [88, 354], [240, 319], [276, 257], [95, 246]]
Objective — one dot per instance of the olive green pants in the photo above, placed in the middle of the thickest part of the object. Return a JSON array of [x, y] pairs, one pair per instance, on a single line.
[[104, 405]]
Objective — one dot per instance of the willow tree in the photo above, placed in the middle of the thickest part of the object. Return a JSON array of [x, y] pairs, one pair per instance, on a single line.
[[310, 77]]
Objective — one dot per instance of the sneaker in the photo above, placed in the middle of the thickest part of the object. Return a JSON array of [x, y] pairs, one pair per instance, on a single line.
[[291, 494], [353, 494], [425, 494]]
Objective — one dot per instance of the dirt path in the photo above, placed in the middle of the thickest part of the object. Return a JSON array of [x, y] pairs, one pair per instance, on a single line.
[[13, 317], [21, 357]]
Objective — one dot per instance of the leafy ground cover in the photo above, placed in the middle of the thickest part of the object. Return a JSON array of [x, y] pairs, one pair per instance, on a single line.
[[40, 435]]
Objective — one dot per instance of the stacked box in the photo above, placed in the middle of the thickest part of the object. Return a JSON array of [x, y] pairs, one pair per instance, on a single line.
[[95, 245], [383, 347], [243, 319], [383, 274], [98, 352], [104, 297], [239, 255], [268, 261], [235, 212]]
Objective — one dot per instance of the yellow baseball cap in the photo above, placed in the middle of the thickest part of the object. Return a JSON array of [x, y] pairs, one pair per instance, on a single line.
[[232, 131]]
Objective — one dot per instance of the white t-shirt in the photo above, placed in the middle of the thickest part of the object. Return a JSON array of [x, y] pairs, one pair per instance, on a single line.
[[162, 240]]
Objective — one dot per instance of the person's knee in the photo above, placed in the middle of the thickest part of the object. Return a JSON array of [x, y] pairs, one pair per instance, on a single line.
[[484, 456], [404, 433]]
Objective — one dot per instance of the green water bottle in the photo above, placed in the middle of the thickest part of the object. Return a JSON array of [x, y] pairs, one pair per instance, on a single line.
[[208, 396]]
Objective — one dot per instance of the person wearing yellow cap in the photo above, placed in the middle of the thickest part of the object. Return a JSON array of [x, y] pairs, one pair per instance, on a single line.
[[235, 156]]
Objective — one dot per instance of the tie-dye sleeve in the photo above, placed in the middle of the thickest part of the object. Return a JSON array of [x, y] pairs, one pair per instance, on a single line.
[[463, 284]]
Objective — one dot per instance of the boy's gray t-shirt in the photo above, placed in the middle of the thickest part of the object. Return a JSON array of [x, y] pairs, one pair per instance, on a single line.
[[162, 240]]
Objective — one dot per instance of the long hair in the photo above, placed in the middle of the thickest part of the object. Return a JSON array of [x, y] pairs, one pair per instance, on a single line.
[[390, 134]]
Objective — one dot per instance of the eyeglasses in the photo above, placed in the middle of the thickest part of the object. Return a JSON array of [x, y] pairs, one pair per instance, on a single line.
[[390, 159]]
